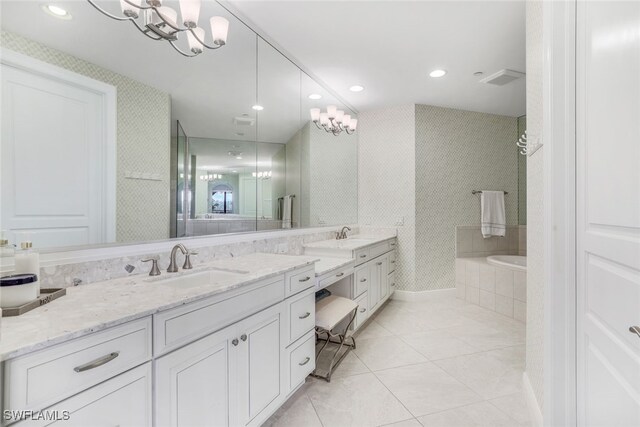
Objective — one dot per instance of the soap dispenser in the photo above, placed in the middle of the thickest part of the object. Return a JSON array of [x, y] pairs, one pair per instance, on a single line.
[[27, 261]]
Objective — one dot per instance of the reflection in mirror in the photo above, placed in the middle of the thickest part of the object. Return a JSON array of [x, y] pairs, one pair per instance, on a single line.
[[224, 187], [329, 165]]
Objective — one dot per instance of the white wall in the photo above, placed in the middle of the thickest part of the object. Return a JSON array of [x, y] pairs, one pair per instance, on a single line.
[[386, 180]]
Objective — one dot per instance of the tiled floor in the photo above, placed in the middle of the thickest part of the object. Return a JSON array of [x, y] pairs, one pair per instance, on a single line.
[[441, 363]]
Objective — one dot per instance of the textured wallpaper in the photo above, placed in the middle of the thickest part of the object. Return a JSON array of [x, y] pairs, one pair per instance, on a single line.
[[142, 207], [535, 226], [333, 178], [386, 181], [457, 151]]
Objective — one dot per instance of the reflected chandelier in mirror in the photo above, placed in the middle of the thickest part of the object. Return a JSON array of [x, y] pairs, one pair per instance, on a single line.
[[334, 121], [161, 23]]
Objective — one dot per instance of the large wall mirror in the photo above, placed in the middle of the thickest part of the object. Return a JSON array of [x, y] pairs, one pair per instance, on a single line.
[[109, 137]]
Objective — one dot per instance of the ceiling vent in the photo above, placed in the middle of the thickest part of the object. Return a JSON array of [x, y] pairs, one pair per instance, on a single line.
[[243, 121], [502, 77]]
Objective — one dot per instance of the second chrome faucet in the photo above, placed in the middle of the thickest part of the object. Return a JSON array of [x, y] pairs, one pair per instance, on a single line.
[[173, 266]]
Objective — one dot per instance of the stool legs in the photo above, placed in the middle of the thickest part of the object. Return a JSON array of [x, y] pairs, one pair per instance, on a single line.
[[342, 338]]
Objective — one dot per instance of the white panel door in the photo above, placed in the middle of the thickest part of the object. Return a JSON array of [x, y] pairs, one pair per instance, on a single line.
[[53, 160], [260, 364], [194, 384], [608, 213]]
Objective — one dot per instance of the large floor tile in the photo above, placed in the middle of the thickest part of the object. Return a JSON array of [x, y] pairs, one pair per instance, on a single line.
[[491, 374], [515, 406], [297, 411], [350, 365], [407, 423], [358, 400], [400, 322], [372, 330], [438, 344], [485, 338], [386, 352], [481, 414], [425, 388]]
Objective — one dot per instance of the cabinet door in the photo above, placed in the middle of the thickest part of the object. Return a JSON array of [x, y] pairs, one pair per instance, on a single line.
[[374, 286], [260, 364], [124, 401], [193, 383]]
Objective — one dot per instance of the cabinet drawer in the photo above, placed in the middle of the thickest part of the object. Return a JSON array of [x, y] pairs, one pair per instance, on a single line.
[[378, 250], [298, 281], [362, 279], [302, 314], [392, 282], [361, 256], [392, 261], [179, 326], [40, 379], [335, 276], [121, 401], [363, 311], [302, 360]]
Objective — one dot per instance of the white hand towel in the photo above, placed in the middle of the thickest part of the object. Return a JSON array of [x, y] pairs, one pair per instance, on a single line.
[[287, 204], [493, 221]]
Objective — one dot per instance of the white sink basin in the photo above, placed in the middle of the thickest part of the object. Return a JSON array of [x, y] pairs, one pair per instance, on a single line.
[[203, 278]]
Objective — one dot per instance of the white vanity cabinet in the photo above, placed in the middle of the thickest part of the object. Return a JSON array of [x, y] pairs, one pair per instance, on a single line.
[[227, 378]]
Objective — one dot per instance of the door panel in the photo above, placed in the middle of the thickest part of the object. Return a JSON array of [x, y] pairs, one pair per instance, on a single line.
[[53, 146], [608, 213]]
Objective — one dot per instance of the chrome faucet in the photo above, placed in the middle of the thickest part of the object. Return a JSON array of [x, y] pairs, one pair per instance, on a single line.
[[173, 267], [342, 234]]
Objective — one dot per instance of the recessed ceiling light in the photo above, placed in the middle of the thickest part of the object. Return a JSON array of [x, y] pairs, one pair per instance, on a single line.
[[56, 11], [315, 96], [437, 73], [258, 107], [356, 88]]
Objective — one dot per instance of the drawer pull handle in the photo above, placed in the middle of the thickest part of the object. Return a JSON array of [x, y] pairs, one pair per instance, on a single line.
[[363, 280], [393, 262], [306, 279], [393, 244], [304, 316], [98, 362], [339, 274], [379, 263], [363, 256], [362, 310], [635, 330], [235, 341], [306, 360], [243, 337]]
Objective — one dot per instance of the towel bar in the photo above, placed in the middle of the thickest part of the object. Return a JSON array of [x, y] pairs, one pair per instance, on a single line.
[[480, 191]]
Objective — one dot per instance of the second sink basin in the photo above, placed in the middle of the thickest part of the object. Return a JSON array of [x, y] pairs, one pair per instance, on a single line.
[[203, 278]]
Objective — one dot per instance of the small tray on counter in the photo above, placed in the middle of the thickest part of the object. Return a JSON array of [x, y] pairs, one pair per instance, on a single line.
[[46, 296]]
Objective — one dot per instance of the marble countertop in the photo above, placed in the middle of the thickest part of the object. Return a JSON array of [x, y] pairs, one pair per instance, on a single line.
[[90, 308], [355, 242], [327, 264]]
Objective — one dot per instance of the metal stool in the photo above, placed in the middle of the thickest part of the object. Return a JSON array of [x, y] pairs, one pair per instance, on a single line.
[[330, 312]]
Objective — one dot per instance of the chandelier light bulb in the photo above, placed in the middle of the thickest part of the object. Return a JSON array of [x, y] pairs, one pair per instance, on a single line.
[[167, 14], [346, 120], [219, 30], [190, 11], [194, 45], [353, 124], [315, 114], [339, 116], [324, 119], [129, 10], [331, 111]]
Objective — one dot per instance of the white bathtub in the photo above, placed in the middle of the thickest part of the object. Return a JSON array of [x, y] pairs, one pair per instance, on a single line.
[[514, 262]]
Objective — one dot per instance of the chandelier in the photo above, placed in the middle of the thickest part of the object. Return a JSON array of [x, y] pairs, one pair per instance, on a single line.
[[210, 177], [161, 23], [262, 175], [334, 121]]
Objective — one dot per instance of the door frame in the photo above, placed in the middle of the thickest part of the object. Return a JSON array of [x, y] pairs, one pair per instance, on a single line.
[[559, 135], [108, 95]]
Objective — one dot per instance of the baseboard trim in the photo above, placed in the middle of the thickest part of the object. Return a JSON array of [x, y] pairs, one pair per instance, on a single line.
[[423, 295], [532, 403]]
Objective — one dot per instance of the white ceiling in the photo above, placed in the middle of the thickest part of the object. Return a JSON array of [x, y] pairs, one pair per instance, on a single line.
[[391, 46]]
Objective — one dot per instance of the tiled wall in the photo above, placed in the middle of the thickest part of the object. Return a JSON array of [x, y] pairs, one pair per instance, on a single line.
[[456, 152], [386, 181], [142, 207], [470, 242], [535, 225], [500, 289]]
